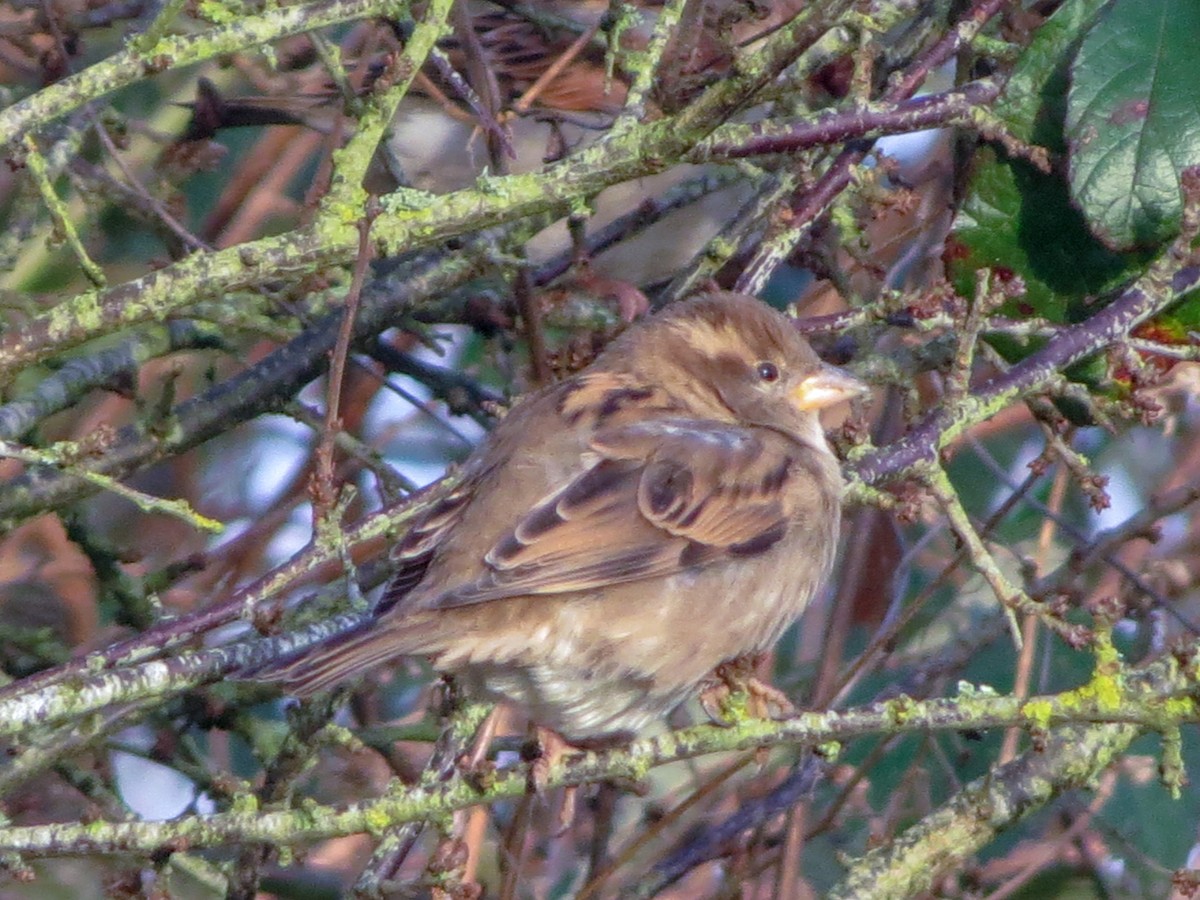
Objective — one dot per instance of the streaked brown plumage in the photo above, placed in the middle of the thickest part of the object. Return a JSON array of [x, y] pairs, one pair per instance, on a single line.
[[620, 534]]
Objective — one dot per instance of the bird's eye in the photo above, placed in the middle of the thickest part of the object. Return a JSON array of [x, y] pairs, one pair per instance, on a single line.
[[767, 371]]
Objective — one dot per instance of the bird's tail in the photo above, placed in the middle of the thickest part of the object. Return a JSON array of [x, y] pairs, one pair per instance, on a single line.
[[343, 656]]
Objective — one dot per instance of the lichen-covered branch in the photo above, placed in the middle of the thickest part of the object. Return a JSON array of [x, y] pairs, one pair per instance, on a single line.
[[138, 60], [1165, 282], [265, 387], [909, 866], [410, 220], [1156, 698]]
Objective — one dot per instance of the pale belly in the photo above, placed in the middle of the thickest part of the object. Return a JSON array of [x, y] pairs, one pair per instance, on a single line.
[[651, 658]]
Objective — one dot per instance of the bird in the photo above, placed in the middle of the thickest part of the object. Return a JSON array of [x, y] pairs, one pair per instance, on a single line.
[[671, 508]]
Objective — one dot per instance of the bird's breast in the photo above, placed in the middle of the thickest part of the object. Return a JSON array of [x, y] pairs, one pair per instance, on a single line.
[[598, 664]]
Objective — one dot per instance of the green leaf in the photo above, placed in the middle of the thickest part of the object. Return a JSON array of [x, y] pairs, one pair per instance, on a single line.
[[1021, 221], [1034, 99], [1133, 119]]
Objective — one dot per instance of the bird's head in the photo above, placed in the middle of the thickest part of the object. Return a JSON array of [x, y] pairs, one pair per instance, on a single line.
[[733, 358]]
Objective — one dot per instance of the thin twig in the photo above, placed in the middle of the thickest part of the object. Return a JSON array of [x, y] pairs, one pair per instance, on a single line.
[[531, 317], [323, 481]]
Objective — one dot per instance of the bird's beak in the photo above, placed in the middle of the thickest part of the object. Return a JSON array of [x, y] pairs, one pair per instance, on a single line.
[[825, 387]]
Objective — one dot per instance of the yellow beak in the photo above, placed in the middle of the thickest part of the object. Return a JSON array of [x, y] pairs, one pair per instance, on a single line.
[[825, 387]]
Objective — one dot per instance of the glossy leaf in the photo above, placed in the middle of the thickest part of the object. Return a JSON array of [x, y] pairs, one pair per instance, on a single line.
[[1022, 221], [1133, 119]]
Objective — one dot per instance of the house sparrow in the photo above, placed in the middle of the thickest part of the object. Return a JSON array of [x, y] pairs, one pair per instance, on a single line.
[[622, 533]]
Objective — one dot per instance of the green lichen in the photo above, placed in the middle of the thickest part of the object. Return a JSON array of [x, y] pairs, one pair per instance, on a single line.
[[340, 736], [828, 751], [1037, 713], [901, 710], [1108, 658], [309, 814], [244, 803], [339, 218], [857, 491], [735, 708], [623, 17], [720, 248], [639, 767], [845, 218], [487, 183], [376, 821], [97, 828], [673, 742], [221, 12], [82, 313], [581, 208], [1171, 768], [1178, 709], [1108, 691]]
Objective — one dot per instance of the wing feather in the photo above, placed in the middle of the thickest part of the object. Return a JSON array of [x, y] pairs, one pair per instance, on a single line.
[[658, 498]]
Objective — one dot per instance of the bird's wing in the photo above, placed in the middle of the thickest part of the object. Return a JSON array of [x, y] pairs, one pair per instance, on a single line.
[[412, 555], [659, 498]]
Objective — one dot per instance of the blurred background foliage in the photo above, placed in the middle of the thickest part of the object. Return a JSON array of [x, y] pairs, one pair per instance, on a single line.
[[1043, 184]]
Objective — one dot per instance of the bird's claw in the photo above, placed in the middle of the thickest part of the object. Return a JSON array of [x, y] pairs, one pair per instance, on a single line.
[[736, 693], [479, 774]]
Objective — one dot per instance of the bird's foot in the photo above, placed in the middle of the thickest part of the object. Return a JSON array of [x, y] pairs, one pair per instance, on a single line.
[[736, 693], [767, 698], [479, 774], [543, 752]]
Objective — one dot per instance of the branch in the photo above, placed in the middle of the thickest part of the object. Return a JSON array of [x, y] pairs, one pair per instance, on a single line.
[[909, 865], [956, 107], [266, 386], [108, 367], [410, 220], [1168, 279], [133, 64], [1128, 701]]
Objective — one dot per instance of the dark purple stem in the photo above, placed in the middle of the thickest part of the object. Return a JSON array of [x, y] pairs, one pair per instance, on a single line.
[[1150, 295], [932, 111]]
